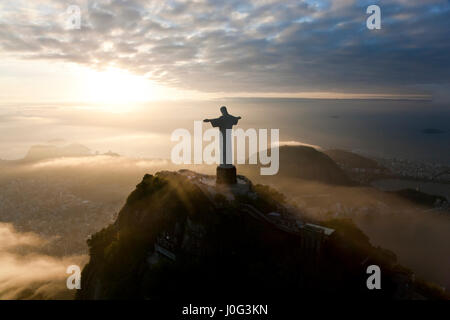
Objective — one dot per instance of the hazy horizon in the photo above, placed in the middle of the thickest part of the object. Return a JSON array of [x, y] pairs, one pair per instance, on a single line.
[[415, 130]]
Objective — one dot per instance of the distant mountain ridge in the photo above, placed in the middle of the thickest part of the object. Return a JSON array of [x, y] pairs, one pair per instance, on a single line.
[[351, 159]]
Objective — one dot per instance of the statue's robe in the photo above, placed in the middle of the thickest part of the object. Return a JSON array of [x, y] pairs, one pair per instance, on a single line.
[[225, 123]]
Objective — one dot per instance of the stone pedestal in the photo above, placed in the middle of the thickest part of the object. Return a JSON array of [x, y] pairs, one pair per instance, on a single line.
[[226, 175]]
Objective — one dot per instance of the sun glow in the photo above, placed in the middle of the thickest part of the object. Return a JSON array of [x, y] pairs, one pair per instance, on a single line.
[[118, 87]]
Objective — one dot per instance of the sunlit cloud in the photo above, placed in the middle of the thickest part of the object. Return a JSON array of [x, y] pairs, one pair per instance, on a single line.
[[295, 143], [99, 161], [25, 273], [238, 47]]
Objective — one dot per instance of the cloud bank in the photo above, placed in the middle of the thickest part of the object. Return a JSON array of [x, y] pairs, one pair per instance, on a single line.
[[244, 46], [25, 273]]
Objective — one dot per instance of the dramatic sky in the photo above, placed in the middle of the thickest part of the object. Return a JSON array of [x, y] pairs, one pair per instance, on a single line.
[[191, 49]]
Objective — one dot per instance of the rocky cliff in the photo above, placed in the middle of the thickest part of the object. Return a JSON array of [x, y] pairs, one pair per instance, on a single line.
[[179, 236]]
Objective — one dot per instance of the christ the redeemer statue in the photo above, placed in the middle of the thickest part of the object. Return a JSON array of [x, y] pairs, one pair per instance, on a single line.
[[226, 172]]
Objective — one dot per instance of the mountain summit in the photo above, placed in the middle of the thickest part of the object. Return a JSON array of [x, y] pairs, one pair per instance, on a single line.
[[301, 163], [180, 235]]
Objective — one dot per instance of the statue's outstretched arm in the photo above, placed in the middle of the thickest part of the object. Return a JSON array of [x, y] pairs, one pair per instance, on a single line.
[[214, 122]]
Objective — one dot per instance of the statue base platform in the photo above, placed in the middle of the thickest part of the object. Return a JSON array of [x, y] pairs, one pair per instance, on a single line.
[[226, 175]]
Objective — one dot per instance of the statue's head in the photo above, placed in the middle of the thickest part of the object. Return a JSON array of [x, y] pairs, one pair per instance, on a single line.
[[224, 111]]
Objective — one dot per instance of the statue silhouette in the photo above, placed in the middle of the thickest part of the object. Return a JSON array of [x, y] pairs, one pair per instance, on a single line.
[[225, 123]]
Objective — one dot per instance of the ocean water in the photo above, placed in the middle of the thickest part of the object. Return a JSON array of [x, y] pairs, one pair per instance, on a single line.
[[413, 130]]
